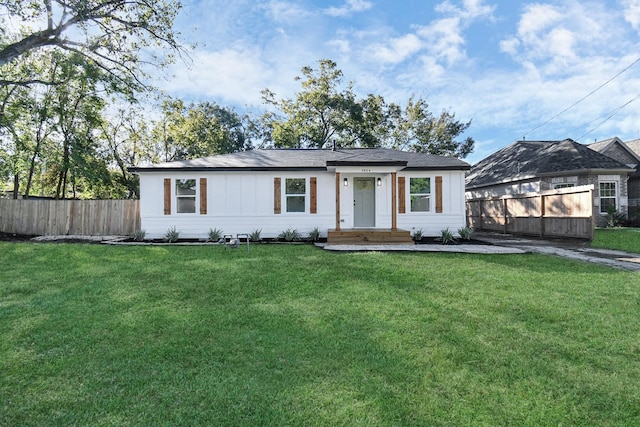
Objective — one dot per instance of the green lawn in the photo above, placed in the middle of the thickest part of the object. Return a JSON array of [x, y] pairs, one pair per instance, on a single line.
[[622, 239], [292, 335]]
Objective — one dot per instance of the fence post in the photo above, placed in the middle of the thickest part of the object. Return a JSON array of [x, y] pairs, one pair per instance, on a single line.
[[542, 216], [506, 216]]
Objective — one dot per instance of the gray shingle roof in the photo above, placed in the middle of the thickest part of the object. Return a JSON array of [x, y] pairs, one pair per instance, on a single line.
[[528, 159], [300, 159]]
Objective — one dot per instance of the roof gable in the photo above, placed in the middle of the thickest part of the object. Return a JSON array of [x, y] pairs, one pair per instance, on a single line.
[[616, 149], [528, 159]]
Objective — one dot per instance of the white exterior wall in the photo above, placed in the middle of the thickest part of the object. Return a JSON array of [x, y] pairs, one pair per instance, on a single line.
[[453, 215], [241, 202]]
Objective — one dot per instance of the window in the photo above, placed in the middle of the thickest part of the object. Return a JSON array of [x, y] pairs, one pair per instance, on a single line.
[[564, 185], [295, 193], [608, 197], [420, 193], [186, 195]]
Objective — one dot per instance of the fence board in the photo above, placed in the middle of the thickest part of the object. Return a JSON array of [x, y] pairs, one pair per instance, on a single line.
[[567, 212], [69, 217]]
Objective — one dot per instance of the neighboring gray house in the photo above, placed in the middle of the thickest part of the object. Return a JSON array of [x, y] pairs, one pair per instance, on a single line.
[[624, 153], [535, 166]]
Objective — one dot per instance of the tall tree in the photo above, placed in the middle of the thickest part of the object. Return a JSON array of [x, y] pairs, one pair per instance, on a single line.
[[117, 36], [419, 130], [326, 110], [200, 130]]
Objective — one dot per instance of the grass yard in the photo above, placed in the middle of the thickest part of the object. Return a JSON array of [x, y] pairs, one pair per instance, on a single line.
[[622, 239], [292, 335]]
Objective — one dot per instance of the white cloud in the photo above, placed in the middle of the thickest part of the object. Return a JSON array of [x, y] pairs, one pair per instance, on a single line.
[[348, 8], [397, 49], [286, 12], [632, 12], [231, 75], [562, 35]]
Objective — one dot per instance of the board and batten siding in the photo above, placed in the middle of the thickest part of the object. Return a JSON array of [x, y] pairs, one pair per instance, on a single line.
[[241, 202], [236, 203]]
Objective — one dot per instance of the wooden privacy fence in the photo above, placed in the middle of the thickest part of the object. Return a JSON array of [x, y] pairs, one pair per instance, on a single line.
[[69, 217], [566, 212]]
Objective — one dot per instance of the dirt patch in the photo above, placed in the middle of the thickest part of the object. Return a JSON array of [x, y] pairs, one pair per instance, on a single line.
[[12, 237]]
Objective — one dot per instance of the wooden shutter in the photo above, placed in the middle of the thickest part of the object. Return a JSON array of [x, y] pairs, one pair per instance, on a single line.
[[167, 196], [203, 196], [438, 194], [314, 195], [277, 196], [402, 197]]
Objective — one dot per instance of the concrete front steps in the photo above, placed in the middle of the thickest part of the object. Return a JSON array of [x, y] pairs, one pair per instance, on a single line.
[[364, 236]]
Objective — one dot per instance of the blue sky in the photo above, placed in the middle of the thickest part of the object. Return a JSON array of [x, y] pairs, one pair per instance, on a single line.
[[511, 67]]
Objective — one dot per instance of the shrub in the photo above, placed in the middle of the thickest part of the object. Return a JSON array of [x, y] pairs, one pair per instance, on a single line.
[[465, 233], [172, 235], [256, 235], [314, 235], [614, 217], [214, 235], [417, 235], [139, 235], [447, 237], [290, 235]]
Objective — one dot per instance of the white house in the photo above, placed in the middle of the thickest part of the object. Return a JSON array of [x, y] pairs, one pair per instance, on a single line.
[[334, 190]]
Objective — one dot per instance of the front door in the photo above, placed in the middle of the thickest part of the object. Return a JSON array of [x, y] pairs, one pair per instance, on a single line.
[[364, 202]]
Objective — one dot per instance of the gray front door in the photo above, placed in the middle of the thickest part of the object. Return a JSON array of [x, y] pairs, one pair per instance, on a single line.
[[364, 202]]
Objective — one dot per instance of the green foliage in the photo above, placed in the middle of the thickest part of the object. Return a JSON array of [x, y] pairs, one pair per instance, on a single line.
[[614, 217], [417, 235], [314, 235], [138, 235], [214, 235], [447, 237], [290, 235], [199, 130], [255, 235], [326, 110], [465, 233], [172, 235]]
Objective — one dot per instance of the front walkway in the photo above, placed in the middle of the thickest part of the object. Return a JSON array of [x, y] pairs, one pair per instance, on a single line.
[[508, 244]]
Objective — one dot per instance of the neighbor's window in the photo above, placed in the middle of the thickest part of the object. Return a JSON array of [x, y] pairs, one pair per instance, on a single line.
[[564, 185], [295, 193], [608, 196], [186, 195], [420, 193]]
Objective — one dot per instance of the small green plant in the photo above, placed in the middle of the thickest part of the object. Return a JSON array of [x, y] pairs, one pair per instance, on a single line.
[[172, 235], [614, 217], [447, 237], [465, 233], [214, 235], [138, 235], [290, 235], [417, 235], [314, 235], [256, 235]]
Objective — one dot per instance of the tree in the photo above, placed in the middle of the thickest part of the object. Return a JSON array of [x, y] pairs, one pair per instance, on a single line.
[[199, 130], [325, 110], [112, 34], [420, 131], [317, 115]]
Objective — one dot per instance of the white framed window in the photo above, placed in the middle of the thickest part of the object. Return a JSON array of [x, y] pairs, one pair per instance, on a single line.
[[295, 191], [186, 191], [608, 196], [420, 194]]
